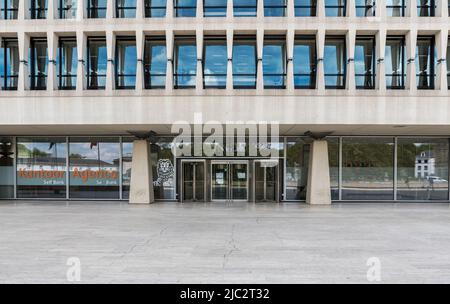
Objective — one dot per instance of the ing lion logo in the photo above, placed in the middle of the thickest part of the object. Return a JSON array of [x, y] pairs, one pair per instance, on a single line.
[[164, 169]]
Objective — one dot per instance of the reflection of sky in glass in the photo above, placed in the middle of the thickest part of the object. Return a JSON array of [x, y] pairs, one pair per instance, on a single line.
[[360, 57], [302, 59], [215, 8], [330, 60], [54, 150], [244, 59], [158, 64], [102, 57], [216, 59], [108, 151], [274, 8], [273, 62], [244, 8], [187, 59], [129, 65]]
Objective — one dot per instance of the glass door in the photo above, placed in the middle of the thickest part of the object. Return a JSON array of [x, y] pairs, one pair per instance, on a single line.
[[266, 180], [193, 183], [229, 180]]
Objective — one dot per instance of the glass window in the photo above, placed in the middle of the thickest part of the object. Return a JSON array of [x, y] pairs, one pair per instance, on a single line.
[[67, 9], [395, 8], [274, 8], [38, 9], [335, 8], [305, 62], [244, 63], [163, 164], [9, 9], [425, 60], [41, 167], [215, 63], [185, 63], [125, 8], [155, 8], [395, 63], [94, 167], [9, 64], [365, 8], [367, 168], [125, 63], [305, 8], [127, 154], [67, 63], [96, 8], [335, 62], [426, 8], [244, 8], [333, 159], [6, 167], [155, 63], [185, 8], [274, 63], [415, 182], [97, 62], [365, 62], [38, 63], [297, 162], [214, 8]]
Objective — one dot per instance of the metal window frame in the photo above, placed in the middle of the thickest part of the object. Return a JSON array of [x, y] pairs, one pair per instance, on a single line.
[[124, 9], [180, 8], [88, 63], [148, 8], [182, 40], [208, 41], [35, 12], [270, 6], [206, 7], [432, 75], [4, 74], [5, 10], [281, 41], [60, 76], [402, 40], [117, 75], [344, 73], [245, 40], [313, 71], [91, 9], [149, 42], [373, 74], [33, 76]]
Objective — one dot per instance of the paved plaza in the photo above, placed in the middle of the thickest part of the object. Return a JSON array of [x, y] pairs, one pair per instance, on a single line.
[[223, 243]]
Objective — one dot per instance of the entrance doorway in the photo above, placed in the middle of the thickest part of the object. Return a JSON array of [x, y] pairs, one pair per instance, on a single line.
[[229, 180], [266, 180], [193, 182]]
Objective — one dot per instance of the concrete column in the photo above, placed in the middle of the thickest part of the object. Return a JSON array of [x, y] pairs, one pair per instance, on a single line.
[[81, 7], [411, 8], [290, 86], [290, 8], [24, 46], [23, 10], [259, 9], [199, 10], [320, 46], [259, 51], [320, 8], [350, 9], [350, 77], [380, 41], [411, 41], [318, 188], [230, 9], [442, 8], [199, 74], [441, 66], [52, 48], [110, 9], [169, 51], [141, 184], [140, 42], [380, 9], [230, 59], [140, 10], [81, 66], [170, 13], [110, 50], [52, 10]]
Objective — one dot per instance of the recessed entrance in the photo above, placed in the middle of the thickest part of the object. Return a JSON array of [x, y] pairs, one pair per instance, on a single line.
[[229, 180], [266, 180], [194, 173]]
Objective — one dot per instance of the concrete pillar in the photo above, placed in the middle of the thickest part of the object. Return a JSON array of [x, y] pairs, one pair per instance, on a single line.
[[24, 45], [52, 49], [80, 9], [411, 8], [411, 44], [380, 46], [351, 9], [140, 42], [259, 9], [441, 66], [380, 9], [350, 77], [199, 10], [110, 50], [141, 184], [81, 66], [290, 86], [230, 12], [259, 51], [230, 59], [110, 9], [170, 13], [23, 10], [52, 11], [199, 73], [169, 52], [140, 10], [320, 8], [318, 188], [320, 46]]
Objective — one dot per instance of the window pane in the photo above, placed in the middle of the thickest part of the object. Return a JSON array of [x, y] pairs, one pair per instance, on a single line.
[[97, 8], [185, 8], [422, 169], [365, 8], [425, 8], [67, 9], [67, 64], [94, 168], [424, 62], [333, 155], [274, 8], [244, 64], [297, 161], [155, 64], [365, 63], [334, 62], [9, 65], [395, 63], [335, 8], [39, 63], [125, 8], [367, 168], [125, 64], [38, 9], [41, 167], [163, 169], [305, 63], [215, 8], [97, 62], [127, 154], [395, 8], [6, 167], [185, 64], [215, 65], [155, 8], [273, 65], [244, 8], [305, 8]]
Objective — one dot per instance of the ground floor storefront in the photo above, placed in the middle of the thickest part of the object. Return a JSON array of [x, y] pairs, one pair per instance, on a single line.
[[353, 168]]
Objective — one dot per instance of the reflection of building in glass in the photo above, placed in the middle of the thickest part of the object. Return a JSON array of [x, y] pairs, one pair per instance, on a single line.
[[424, 165]]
